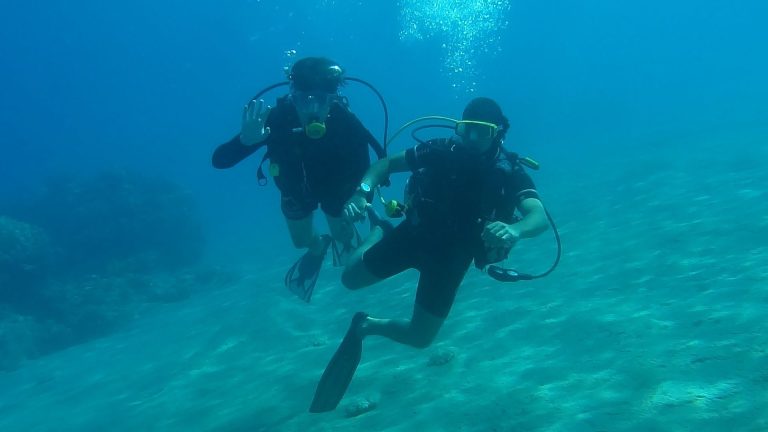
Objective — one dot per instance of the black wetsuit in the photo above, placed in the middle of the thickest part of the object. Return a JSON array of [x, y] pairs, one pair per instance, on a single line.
[[308, 172], [453, 196]]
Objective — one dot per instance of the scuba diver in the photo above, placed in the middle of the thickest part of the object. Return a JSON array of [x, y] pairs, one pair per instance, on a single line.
[[460, 207], [317, 150]]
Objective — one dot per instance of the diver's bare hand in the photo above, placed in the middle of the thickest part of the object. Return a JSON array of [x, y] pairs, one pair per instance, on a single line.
[[499, 234], [354, 209], [252, 131]]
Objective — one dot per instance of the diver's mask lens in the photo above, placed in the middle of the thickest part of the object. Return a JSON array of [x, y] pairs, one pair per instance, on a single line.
[[312, 105], [475, 130], [313, 108]]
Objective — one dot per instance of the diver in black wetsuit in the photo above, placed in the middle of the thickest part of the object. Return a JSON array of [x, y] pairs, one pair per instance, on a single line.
[[462, 197], [318, 151]]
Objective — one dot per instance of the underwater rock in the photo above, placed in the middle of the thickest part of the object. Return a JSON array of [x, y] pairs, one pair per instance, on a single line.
[[24, 255], [63, 313], [672, 394], [360, 407], [117, 221], [92, 254], [441, 356], [22, 246], [23, 337]]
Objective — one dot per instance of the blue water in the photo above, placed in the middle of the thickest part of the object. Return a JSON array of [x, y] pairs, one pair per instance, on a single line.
[[650, 121]]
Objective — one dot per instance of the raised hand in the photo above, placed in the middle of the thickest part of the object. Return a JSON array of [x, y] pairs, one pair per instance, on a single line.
[[253, 131]]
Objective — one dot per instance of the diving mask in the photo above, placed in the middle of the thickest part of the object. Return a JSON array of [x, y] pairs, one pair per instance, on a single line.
[[313, 108], [476, 130]]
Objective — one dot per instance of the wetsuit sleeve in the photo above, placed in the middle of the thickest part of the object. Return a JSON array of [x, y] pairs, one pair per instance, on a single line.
[[232, 152], [412, 157], [423, 154], [520, 186]]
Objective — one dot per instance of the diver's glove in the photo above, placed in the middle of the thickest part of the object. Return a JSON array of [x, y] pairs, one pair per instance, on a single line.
[[252, 131]]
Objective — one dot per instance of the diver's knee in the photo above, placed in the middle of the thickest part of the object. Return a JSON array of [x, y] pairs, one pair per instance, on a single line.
[[308, 240], [422, 342], [355, 274], [350, 280], [347, 280], [301, 231], [423, 339]]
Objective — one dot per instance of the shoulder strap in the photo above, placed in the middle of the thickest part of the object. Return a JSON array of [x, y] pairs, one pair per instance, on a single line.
[[375, 144]]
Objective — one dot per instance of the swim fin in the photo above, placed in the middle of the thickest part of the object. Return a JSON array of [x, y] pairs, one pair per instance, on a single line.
[[340, 370], [302, 276]]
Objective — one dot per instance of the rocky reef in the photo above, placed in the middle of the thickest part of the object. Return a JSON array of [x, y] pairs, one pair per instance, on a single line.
[[89, 253]]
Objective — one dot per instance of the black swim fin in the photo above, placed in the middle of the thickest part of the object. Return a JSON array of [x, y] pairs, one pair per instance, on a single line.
[[340, 370], [302, 276], [341, 254]]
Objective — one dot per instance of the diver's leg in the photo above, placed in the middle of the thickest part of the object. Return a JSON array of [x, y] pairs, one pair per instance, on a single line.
[[442, 271], [418, 332], [302, 276], [380, 256], [298, 212], [343, 231], [303, 234], [356, 273]]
